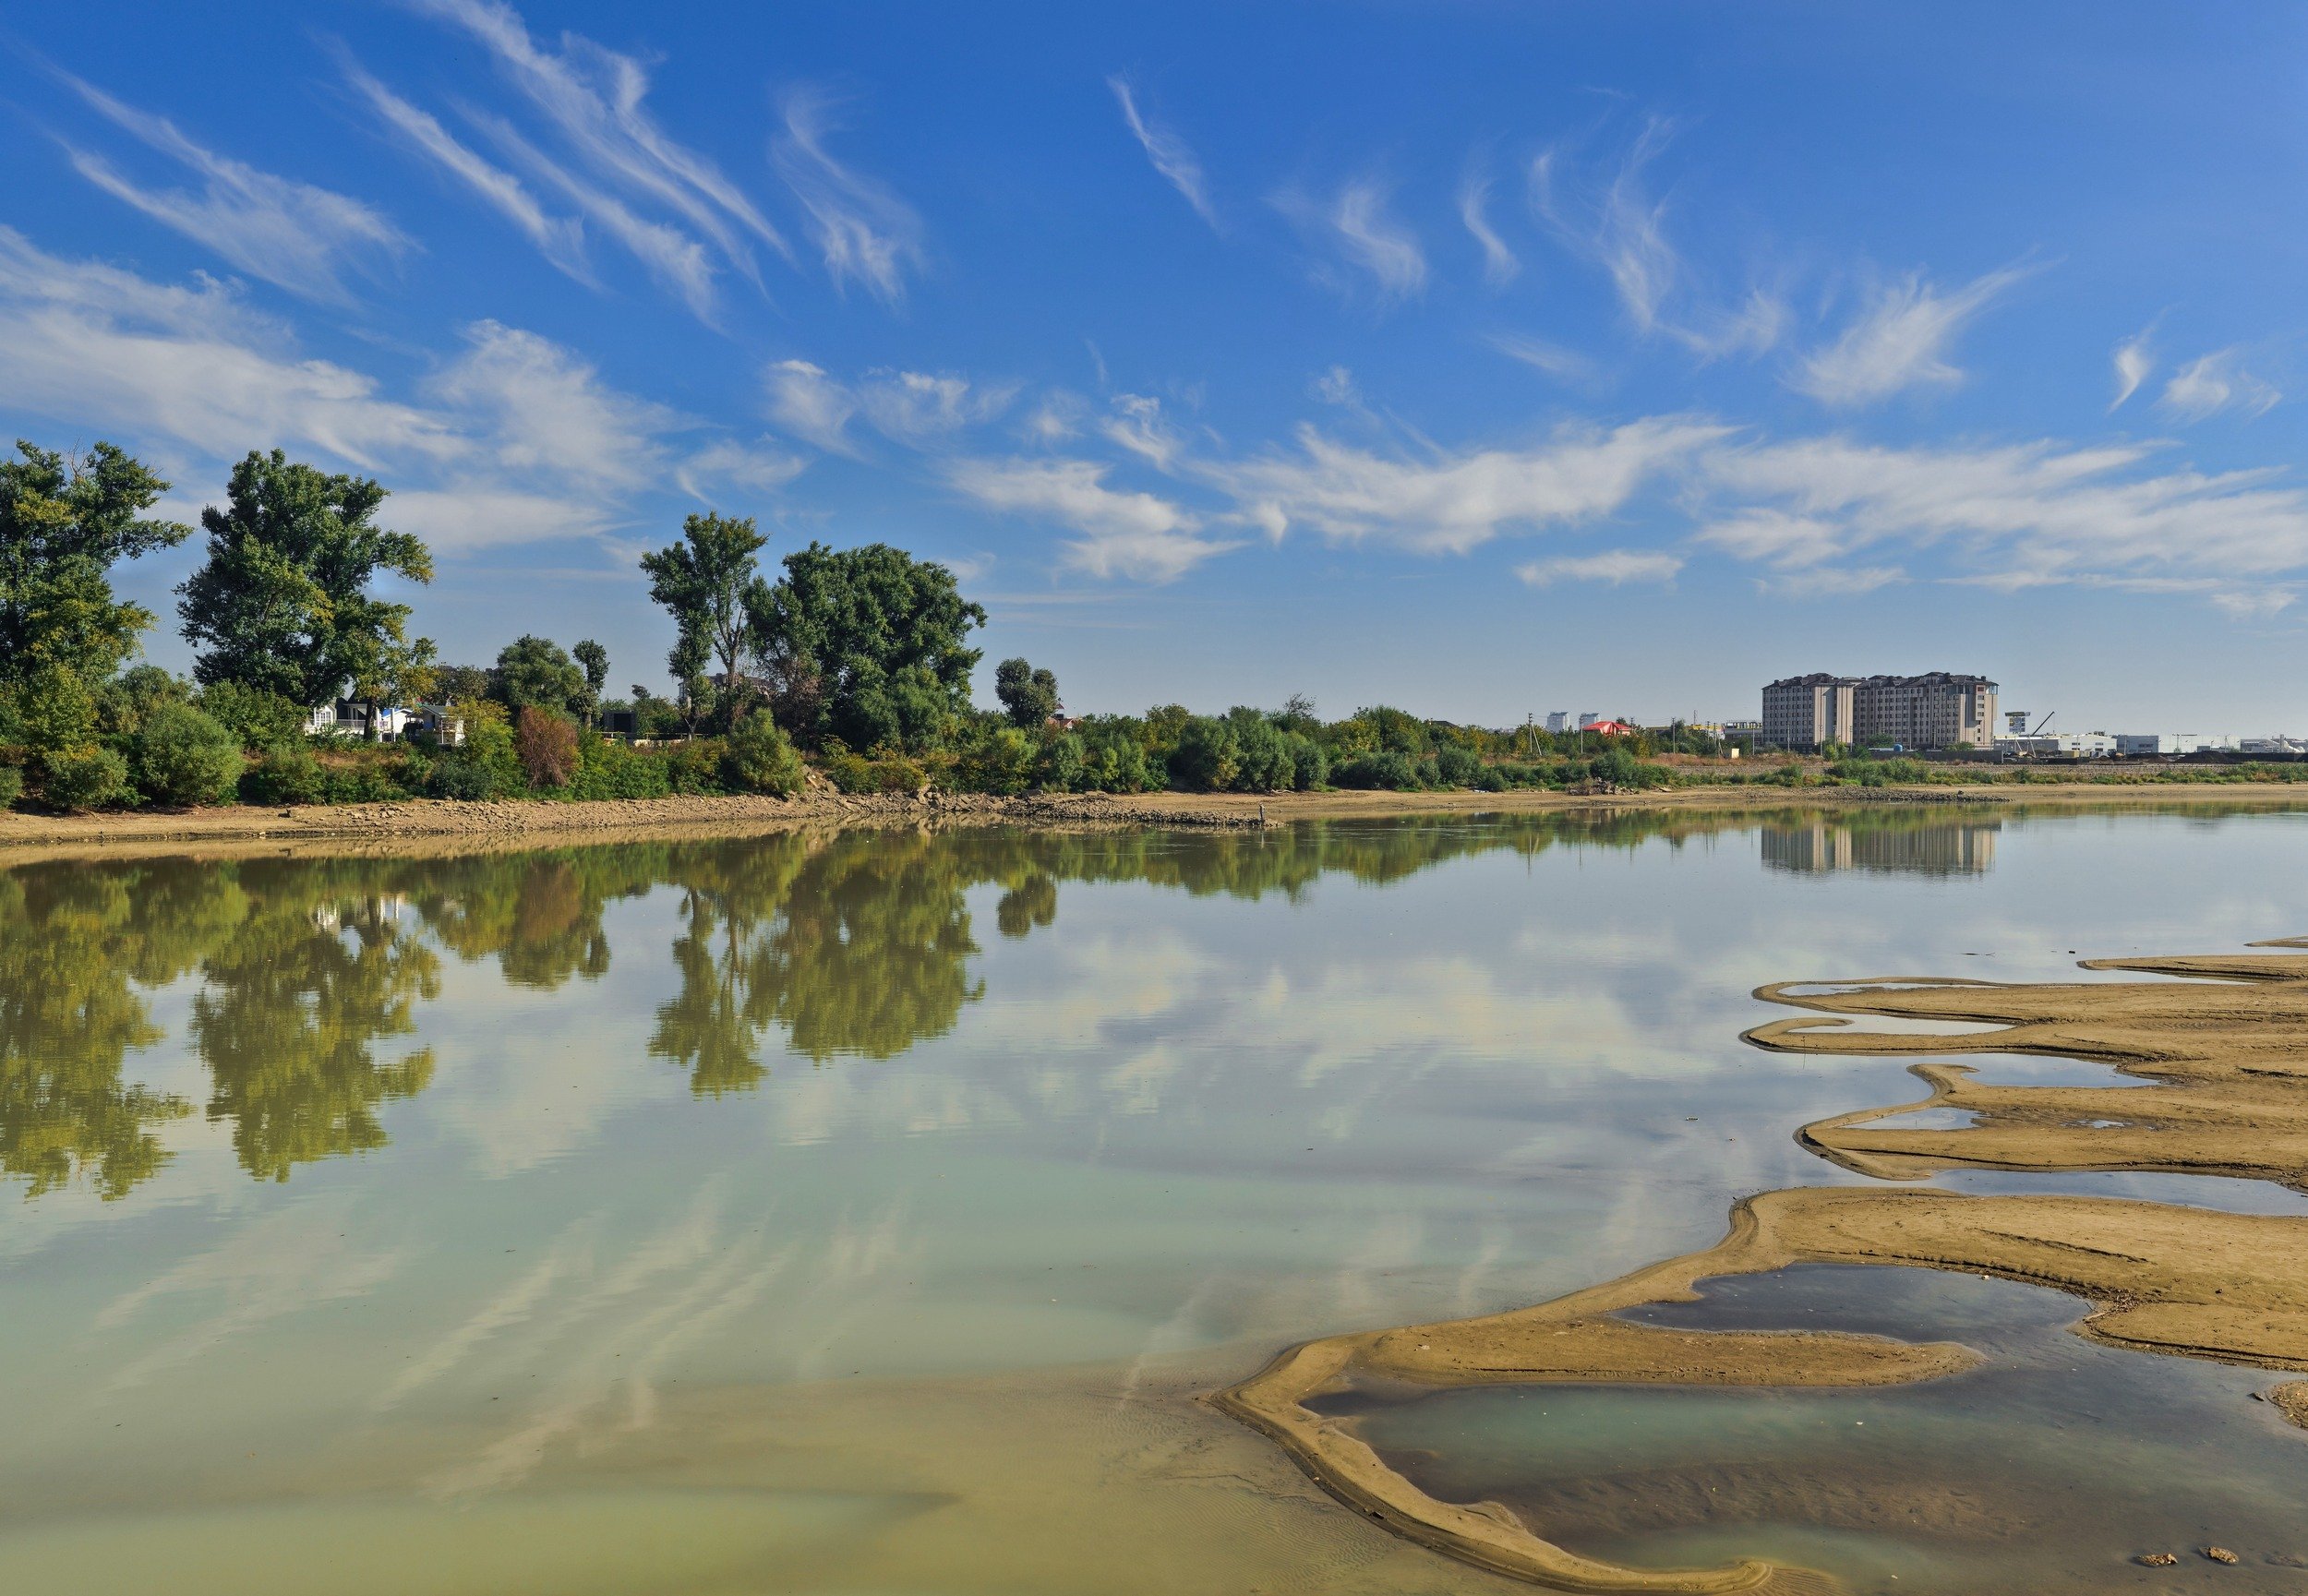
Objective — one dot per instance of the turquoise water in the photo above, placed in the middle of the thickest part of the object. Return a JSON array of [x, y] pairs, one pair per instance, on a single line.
[[862, 1210]]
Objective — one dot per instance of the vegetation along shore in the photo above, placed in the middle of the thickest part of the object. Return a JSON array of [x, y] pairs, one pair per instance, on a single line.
[[850, 673]]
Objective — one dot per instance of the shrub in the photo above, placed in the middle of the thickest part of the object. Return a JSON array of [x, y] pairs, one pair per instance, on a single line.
[[1114, 761], [83, 777], [695, 768], [285, 774], [610, 769], [55, 712], [1382, 770], [11, 784], [1457, 766], [1001, 761], [546, 744], [1206, 758], [1064, 761], [259, 718], [1310, 767], [1262, 759], [458, 774], [182, 757], [761, 758]]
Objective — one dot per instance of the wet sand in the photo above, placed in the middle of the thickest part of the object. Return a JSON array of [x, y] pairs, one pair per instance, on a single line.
[[2221, 1038]]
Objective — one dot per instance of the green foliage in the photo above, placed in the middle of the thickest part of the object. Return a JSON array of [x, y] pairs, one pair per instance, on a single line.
[[488, 740], [86, 777], [546, 744], [607, 768], [1206, 758], [63, 524], [1114, 756], [460, 773], [1062, 763], [536, 671], [456, 683], [285, 773], [761, 758], [259, 719], [1029, 696], [55, 710], [1263, 761], [593, 660], [695, 768], [866, 645], [123, 702], [11, 784], [283, 603], [184, 758], [1384, 770], [1457, 766], [1000, 759], [1310, 766], [711, 586]]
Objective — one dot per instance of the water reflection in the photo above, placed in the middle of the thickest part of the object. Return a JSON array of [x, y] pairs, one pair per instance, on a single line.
[[308, 973], [1900, 844]]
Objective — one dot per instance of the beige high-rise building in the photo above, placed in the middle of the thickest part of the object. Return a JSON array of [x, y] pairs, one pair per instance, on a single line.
[[1936, 710]]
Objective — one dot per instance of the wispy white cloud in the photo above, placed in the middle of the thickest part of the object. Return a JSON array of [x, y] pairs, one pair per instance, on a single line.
[[1354, 229], [1539, 356], [1122, 532], [915, 408], [1616, 566], [758, 467], [1900, 342], [560, 239], [2133, 361], [2254, 604], [1500, 265], [292, 234], [2215, 382], [1139, 426], [1458, 502], [862, 228], [1621, 228], [542, 410], [812, 405], [1831, 581], [1167, 151]]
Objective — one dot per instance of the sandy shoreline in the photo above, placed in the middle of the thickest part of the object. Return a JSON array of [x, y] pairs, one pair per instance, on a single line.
[[2224, 1042], [735, 816]]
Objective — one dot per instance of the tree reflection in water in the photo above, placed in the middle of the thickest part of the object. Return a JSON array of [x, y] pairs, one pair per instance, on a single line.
[[850, 945]]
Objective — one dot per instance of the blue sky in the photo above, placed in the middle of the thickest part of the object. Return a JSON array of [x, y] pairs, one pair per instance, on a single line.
[[1486, 359]]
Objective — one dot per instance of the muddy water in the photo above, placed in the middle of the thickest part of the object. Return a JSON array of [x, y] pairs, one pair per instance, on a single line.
[[862, 1212]]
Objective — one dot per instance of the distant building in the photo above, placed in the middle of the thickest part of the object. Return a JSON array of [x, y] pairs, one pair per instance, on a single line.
[[1937, 710], [1587, 717], [1559, 720], [2059, 745], [2153, 744], [1609, 728]]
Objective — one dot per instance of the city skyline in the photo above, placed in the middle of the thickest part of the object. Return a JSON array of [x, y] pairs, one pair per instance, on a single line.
[[1478, 361]]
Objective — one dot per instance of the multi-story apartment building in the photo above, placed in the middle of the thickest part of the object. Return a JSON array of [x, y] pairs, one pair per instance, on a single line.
[[1936, 710], [1806, 710]]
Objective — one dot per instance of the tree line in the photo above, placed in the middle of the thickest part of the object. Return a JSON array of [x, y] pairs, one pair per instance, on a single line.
[[857, 661]]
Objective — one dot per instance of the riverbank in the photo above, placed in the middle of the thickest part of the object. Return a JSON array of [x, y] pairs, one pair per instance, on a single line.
[[139, 830], [2220, 1037]]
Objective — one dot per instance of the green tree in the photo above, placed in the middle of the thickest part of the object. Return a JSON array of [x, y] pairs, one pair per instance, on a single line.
[[711, 585], [1029, 696], [283, 603], [867, 645], [595, 661], [184, 758], [63, 524], [537, 671]]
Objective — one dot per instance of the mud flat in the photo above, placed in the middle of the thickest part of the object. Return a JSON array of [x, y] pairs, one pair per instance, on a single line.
[[2223, 1038]]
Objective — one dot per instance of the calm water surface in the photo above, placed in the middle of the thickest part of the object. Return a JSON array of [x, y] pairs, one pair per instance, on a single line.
[[861, 1212]]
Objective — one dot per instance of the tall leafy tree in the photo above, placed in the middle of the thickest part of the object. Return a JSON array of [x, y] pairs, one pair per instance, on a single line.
[[867, 645], [283, 602], [537, 672], [1029, 696], [64, 522], [595, 661], [712, 586]]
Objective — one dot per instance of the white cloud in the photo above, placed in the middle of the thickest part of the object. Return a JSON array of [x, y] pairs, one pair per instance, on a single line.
[[1616, 565], [1167, 151], [1140, 428], [292, 234], [1459, 501], [2254, 604], [1622, 229], [560, 239], [1059, 416], [917, 407], [677, 261], [1500, 265], [544, 410], [1899, 342], [1541, 356], [812, 405], [1336, 386], [2133, 361], [1122, 533], [474, 514], [2216, 382], [1825, 582], [1774, 536], [762, 467], [1377, 242], [861, 229]]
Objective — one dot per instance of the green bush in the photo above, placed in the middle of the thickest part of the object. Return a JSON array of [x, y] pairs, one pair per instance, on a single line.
[[459, 775], [83, 777], [1065, 762], [1206, 758], [695, 768], [760, 757], [11, 784], [260, 719], [610, 769], [998, 760], [182, 757], [287, 774], [1310, 766], [55, 712], [1384, 770], [1457, 766], [1115, 763]]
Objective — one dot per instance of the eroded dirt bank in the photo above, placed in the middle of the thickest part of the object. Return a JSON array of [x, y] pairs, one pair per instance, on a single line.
[[2227, 1044]]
